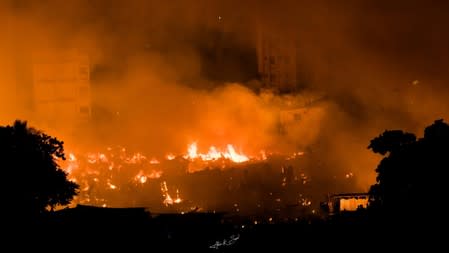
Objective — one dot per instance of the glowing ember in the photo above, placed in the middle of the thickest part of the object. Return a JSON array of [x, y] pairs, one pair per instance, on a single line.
[[154, 161], [136, 158], [263, 155], [72, 157], [178, 199], [170, 157], [113, 187], [155, 174], [141, 178]]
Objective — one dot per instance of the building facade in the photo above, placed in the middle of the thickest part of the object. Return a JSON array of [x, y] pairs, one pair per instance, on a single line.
[[61, 86], [277, 61]]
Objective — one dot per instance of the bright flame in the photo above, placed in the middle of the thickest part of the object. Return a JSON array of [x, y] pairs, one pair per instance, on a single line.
[[192, 151], [234, 156], [141, 177], [72, 157], [96, 171], [113, 187], [178, 199], [168, 200], [170, 157], [154, 161], [215, 154]]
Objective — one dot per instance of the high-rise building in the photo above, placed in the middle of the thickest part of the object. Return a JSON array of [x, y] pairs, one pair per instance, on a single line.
[[61, 86], [277, 61]]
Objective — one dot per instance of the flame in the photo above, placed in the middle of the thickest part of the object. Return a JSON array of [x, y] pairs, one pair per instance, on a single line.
[[168, 200], [100, 173], [170, 157], [142, 178], [154, 161], [112, 186], [93, 158], [178, 199], [136, 158], [155, 174], [192, 152], [215, 154], [72, 157], [263, 155]]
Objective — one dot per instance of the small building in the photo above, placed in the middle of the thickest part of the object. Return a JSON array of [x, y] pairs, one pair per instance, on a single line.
[[347, 202]]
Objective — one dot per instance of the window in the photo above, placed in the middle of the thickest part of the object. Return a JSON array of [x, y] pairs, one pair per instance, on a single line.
[[297, 116], [84, 72], [84, 109], [84, 91]]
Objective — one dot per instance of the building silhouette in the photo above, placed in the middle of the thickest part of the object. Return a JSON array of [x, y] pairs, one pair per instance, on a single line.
[[61, 85]]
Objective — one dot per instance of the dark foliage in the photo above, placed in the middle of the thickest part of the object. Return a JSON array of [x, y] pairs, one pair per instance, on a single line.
[[31, 179], [410, 178]]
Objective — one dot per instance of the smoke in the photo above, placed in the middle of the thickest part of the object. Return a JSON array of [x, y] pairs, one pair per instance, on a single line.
[[381, 65]]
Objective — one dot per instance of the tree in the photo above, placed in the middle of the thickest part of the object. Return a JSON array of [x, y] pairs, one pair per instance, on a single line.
[[32, 180], [410, 177]]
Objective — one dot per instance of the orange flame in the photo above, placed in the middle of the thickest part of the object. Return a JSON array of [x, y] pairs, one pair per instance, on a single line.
[[215, 154]]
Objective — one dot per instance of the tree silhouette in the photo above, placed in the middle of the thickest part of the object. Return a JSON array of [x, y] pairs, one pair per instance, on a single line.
[[410, 178], [32, 180]]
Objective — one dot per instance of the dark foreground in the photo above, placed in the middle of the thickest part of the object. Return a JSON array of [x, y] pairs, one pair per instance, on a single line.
[[134, 230]]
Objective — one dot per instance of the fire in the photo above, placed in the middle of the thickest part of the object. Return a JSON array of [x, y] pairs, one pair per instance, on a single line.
[[72, 157], [104, 175], [155, 174], [111, 186], [167, 198], [136, 158], [178, 199], [263, 155], [97, 157], [142, 178], [215, 154], [170, 156], [154, 161]]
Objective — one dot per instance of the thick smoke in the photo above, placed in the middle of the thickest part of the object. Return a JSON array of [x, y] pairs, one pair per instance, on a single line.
[[381, 65]]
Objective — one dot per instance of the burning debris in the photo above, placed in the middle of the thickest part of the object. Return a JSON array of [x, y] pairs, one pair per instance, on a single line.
[[266, 182]]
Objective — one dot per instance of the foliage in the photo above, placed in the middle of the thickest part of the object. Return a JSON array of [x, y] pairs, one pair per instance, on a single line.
[[410, 177], [32, 180]]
